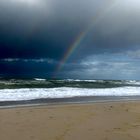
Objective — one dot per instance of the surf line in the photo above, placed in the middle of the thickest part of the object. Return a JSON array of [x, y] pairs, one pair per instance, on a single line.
[[71, 49]]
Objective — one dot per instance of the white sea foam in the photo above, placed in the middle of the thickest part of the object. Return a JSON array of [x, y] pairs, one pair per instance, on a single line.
[[64, 92], [78, 80], [39, 79], [133, 82]]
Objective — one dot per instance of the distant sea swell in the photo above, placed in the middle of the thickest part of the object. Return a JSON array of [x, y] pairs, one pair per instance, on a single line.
[[22, 90]]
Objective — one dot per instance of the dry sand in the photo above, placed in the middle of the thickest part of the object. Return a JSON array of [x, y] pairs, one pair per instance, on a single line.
[[97, 121]]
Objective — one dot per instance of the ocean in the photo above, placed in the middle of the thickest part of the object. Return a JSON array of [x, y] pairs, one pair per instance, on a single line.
[[34, 91]]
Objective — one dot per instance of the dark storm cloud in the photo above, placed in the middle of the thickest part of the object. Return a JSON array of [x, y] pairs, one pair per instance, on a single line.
[[41, 31], [43, 27], [27, 68], [116, 31], [33, 32]]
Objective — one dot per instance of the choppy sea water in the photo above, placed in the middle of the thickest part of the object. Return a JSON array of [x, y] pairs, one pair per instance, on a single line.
[[24, 90]]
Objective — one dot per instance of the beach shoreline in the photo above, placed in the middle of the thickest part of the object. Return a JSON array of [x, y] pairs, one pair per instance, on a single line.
[[99, 121], [67, 101]]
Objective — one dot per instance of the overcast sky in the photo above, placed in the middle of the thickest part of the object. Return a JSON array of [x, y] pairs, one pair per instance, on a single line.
[[35, 35]]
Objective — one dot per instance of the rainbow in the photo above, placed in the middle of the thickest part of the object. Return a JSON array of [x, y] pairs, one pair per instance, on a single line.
[[70, 50], [83, 34]]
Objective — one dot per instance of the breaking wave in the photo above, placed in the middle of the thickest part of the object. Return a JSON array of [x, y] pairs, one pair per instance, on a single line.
[[64, 92]]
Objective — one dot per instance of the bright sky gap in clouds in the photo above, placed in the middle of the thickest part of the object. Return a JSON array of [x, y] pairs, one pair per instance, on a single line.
[[36, 34]]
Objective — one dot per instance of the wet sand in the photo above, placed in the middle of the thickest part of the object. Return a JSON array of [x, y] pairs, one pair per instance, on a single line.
[[96, 121]]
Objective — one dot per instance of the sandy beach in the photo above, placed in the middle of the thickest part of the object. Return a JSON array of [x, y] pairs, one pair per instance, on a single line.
[[97, 121]]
